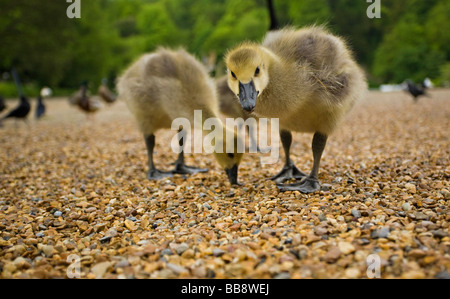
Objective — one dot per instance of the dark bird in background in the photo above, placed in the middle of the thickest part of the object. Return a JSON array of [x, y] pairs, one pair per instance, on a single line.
[[40, 108], [105, 93], [83, 101], [415, 90], [2, 104], [23, 109]]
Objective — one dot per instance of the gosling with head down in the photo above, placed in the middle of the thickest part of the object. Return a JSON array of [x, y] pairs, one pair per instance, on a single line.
[[169, 84], [308, 79]]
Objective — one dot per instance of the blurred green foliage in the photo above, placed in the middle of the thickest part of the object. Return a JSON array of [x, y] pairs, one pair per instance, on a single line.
[[411, 39]]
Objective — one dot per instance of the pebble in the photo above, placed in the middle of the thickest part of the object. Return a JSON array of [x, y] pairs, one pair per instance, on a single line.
[[332, 255], [421, 216], [58, 214], [166, 251], [100, 269], [282, 275], [182, 248], [442, 275], [346, 247], [322, 217], [406, 207], [218, 252], [356, 213], [411, 188], [380, 233], [439, 233]]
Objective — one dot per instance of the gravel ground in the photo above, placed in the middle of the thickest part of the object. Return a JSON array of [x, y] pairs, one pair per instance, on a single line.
[[74, 193]]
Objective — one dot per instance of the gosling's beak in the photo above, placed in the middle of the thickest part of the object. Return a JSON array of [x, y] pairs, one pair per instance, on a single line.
[[247, 96], [233, 174]]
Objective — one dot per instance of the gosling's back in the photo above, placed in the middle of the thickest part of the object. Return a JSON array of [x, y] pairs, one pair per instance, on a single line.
[[322, 77], [165, 85]]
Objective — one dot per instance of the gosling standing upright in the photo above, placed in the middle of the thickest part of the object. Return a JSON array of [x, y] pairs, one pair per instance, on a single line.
[[308, 79], [165, 85]]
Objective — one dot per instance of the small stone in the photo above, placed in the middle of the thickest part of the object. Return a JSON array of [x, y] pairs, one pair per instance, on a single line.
[[166, 251], [332, 254], [122, 264], [346, 247], [380, 233], [322, 217], [207, 206], [46, 249], [282, 275], [417, 253], [325, 187], [21, 263], [218, 252], [181, 248], [320, 231], [57, 214], [406, 207], [421, 216], [352, 273], [188, 254], [440, 233], [356, 213], [112, 232], [411, 188], [100, 269], [176, 268], [4, 243], [442, 275], [130, 225], [413, 275]]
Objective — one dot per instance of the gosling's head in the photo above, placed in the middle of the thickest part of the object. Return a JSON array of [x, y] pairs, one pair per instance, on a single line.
[[248, 73], [230, 159]]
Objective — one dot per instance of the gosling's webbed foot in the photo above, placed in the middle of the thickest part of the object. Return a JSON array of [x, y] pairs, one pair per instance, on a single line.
[[308, 185], [287, 173], [156, 174], [185, 169]]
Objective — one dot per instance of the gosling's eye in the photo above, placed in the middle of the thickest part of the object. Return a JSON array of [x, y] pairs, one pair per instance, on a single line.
[[231, 155], [234, 75], [257, 71]]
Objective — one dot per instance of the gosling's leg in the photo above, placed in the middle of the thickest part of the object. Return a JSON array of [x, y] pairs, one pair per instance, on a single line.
[[289, 170], [153, 173], [311, 183], [180, 166]]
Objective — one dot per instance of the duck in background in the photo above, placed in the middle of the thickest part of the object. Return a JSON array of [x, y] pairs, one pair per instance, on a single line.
[[105, 93]]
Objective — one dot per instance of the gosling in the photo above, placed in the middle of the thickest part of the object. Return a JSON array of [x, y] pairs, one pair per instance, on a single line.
[[308, 79], [165, 85]]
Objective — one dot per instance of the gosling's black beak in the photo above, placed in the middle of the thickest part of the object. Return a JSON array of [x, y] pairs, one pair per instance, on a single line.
[[247, 96], [233, 174]]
